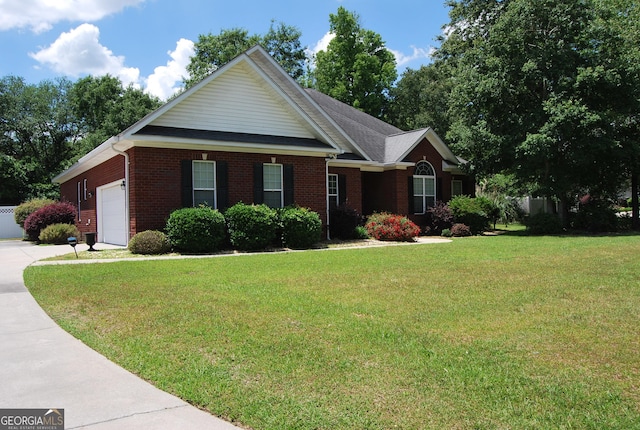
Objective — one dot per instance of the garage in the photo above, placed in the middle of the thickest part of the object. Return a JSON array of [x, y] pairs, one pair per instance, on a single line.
[[112, 214]]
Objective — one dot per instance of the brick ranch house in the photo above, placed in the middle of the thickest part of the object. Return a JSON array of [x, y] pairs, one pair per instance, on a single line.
[[250, 133]]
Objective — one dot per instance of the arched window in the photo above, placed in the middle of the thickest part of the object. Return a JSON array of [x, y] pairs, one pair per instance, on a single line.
[[424, 187]]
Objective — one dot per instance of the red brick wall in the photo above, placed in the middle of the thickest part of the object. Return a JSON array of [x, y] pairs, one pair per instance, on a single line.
[[354, 186], [110, 171], [156, 189], [389, 191]]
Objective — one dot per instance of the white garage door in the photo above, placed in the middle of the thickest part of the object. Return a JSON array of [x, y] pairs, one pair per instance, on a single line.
[[112, 216]]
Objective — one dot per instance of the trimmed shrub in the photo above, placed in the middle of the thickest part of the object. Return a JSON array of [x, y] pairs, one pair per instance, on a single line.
[[150, 242], [384, 226], [460, 230], [489, 208], [440, 218], [595, 216], [343, 223], [57, 234], [543, 223], [361, 232], [471, 212], [56, 213], [301, 227], [196, 230], [251, 227], [446, 233], [22, 212]]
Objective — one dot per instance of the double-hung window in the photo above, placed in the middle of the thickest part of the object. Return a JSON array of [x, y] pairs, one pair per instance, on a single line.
[[272, 185], [204, 183], [333, 191], [424, 187]]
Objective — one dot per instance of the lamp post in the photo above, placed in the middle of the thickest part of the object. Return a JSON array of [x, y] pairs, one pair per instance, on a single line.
[[73, 242]]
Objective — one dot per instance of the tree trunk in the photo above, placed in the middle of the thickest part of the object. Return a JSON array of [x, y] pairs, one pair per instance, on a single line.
[[635, 223], [564, 212]]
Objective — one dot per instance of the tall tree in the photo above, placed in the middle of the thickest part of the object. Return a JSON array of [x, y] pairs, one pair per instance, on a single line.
[[531, 94], [356, 68], [622, 17], [421, 98], [282, 42], [38, 136]]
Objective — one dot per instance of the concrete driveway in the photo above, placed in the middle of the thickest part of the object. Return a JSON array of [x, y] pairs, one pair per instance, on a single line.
[[42, 366]]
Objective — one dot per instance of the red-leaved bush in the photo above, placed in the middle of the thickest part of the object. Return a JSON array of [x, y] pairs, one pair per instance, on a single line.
[[460, 230], [56, 213], [384, 226]]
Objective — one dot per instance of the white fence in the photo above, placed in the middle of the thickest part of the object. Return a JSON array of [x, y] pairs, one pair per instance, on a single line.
[[8, 227]]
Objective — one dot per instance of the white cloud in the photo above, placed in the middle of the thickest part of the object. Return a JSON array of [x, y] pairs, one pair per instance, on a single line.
[[79, 52], [164, 82], [401, 58], [41, 15], [417, 54], [323, 43]]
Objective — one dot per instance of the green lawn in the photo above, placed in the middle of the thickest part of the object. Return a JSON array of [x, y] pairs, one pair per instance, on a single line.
[[481, 333]]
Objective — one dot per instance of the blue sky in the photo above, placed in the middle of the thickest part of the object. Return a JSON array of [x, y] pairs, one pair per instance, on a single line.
[[147, 43]]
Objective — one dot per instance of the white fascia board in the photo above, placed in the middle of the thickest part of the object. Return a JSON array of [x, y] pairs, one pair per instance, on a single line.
[[370, 166], [225, 146], [98, 155], [451, 168]]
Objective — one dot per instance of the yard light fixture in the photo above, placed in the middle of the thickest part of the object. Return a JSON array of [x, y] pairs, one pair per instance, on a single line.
[[73, 242]]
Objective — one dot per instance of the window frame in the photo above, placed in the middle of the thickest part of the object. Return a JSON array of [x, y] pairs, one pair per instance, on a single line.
[[457, 181], [424, 178], [211, 189], [265, 190], [334, 197]]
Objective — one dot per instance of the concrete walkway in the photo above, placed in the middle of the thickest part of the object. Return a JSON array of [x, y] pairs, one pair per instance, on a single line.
[[42, 366]]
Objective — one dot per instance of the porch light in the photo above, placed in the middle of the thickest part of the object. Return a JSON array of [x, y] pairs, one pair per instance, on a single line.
[[123, 185]]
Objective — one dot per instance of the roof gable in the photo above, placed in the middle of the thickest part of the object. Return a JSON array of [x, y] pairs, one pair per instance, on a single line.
[[399, 146], [237, 100]]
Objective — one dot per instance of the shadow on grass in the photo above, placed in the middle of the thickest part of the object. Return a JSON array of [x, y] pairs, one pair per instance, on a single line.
[[522, 232]]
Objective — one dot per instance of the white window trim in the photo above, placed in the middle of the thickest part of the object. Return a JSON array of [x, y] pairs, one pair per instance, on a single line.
[[193, 183], [84, 185], [424, 196], [335, 195], [281, 189], [79, 202]]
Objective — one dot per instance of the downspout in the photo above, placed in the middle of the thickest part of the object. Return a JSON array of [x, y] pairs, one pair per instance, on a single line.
[[126, 184], [326, 186], [326, 194]]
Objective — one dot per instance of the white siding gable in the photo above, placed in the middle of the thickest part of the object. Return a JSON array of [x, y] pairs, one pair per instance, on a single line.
[[237, 101]]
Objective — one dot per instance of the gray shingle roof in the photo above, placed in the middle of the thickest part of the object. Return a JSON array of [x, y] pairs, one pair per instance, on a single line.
[[368, 132]]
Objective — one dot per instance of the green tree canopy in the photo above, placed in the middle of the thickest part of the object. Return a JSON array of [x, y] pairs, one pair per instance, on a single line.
[[420, 99], [38, 136], [535, 93], [105, 108], [356, 68], [44, 128], [282, 42]]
